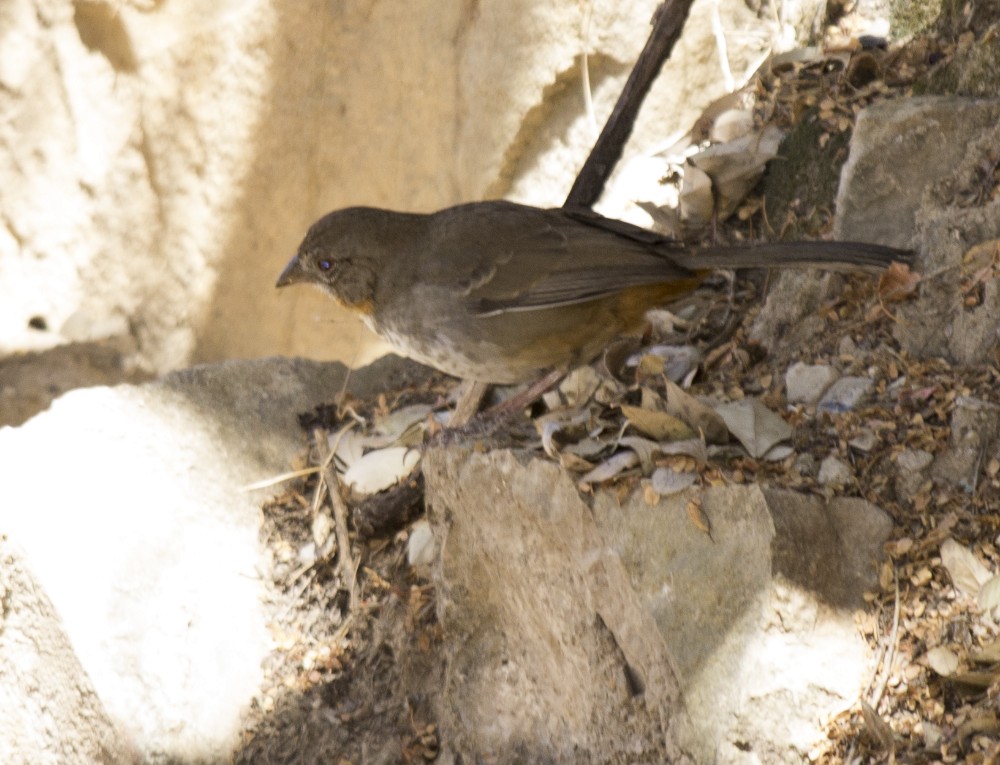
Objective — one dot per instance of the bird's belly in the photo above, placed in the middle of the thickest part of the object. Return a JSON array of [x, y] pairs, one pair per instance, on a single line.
[[511, 347], [459, 356]]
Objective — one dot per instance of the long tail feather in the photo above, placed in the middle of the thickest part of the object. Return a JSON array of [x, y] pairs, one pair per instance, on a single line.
[[831, 256]]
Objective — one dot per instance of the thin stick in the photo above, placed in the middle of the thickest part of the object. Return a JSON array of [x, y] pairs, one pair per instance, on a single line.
[[345, 560], [668, 21]]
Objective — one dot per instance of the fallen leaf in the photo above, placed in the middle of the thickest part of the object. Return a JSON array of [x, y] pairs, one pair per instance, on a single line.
[[611, 467], [699, 416], [381, 469], [942, 660], [697, 516], [667, 481], [657, 425], [877, 728], [754, 425], [967, 572], [988, 597], [897, 283]]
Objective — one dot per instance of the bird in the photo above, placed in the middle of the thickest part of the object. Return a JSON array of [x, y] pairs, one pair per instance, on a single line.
[[500, 292]]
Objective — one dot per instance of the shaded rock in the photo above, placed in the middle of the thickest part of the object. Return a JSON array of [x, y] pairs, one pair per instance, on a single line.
[[30, 381], [975, 429]]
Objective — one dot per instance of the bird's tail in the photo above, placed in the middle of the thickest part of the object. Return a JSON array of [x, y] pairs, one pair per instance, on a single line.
[[831, 256]]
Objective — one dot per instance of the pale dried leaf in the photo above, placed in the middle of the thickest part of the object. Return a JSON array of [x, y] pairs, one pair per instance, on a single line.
[[667, 481], [692, 447], [942, 660], [754, 425], [698, 415], [988, 597], [586, 448], [967, 573], [735, 167], [574, 463], [988, 654], [350, 446], [611, 467], [397, 424], [322, 526], [644, 448], [381, 469], [697, 200], [579, 385], [680, 360], [568, 424], [549, 430], [420, 545], [985, 723], [697, 516], [877, 728], [778, 453]]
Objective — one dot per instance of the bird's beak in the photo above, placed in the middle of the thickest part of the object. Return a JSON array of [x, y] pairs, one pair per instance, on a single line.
[[293, 273]]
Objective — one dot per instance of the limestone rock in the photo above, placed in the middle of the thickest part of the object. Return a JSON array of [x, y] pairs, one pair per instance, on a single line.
[[576, 631]]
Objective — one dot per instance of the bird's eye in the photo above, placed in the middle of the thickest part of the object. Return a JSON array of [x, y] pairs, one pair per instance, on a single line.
[[325, 265]]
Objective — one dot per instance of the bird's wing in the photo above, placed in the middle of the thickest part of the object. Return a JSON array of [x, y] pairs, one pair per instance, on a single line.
[[533, 259]]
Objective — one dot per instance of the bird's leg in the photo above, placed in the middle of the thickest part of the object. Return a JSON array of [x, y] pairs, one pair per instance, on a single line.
[[468, 403], [527, 396]]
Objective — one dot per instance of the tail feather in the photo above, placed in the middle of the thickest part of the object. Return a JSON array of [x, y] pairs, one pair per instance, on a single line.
[[830, 256]]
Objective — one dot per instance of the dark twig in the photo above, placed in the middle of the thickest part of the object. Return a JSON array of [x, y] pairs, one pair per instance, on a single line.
[[668, 21]]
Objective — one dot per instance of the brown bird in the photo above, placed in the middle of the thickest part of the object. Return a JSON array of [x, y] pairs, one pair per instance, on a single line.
[[501, 292]]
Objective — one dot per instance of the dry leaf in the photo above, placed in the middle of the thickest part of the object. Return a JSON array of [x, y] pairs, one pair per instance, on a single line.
[[988, 654], [322, 526], [644, 449], [942, 661], [574, 463], [698, 518], [649, 495], [381, 469], [897, 283], [735, 167], [754, 425], [697, 200], [611, 467], [985, 724], [988, 597], [967, 573], [877, 728], [667, 481], [699, 416], [692, 447], [657, 425]]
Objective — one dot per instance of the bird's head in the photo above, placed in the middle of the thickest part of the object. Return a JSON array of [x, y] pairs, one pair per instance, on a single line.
[[338, 256]]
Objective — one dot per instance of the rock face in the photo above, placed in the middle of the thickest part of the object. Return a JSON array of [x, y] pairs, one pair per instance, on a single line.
[[573, 628], [161, 160], [915, 170]]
